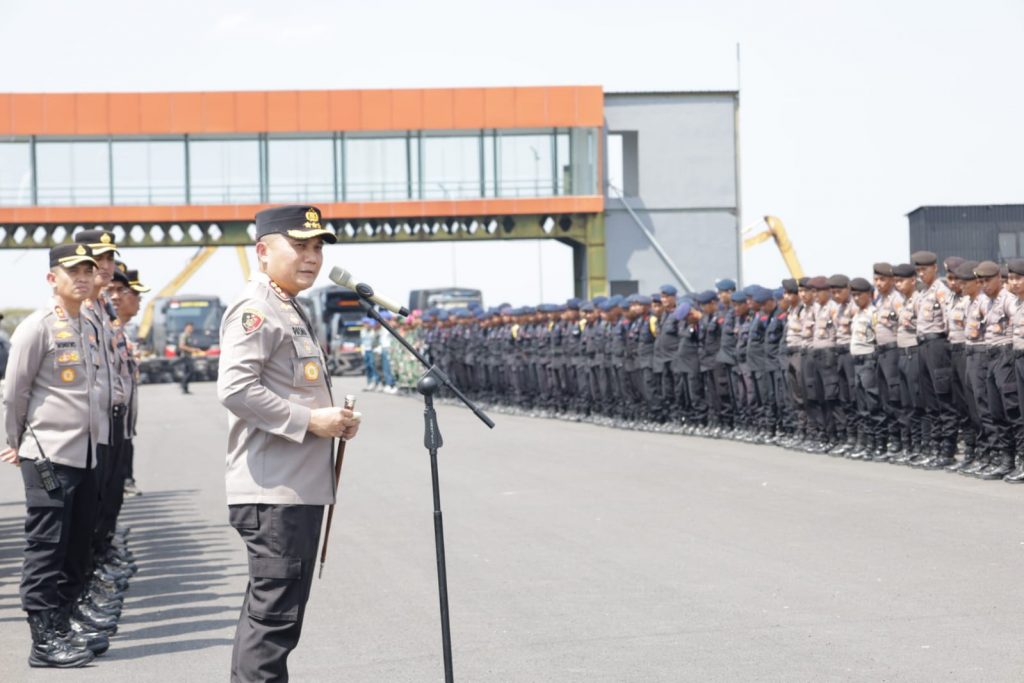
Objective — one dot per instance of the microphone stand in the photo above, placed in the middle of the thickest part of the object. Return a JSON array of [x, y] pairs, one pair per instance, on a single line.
[[428, 385]]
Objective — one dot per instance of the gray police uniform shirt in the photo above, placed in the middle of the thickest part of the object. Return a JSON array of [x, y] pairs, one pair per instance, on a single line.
[[974, 324], [862, 329], [272, 375], [956, 315], [51, 386], [998, 327], [888, 309], [931, 310]]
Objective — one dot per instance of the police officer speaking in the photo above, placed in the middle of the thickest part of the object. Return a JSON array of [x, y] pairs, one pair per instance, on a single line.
[[281, 425]]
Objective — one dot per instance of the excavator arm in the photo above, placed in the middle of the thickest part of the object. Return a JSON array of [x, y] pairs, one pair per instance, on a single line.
[[172, 287], [777, 231]]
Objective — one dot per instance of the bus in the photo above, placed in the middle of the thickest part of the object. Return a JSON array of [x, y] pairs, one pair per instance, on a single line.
[[170, 315], [337, 316], [444, 297]]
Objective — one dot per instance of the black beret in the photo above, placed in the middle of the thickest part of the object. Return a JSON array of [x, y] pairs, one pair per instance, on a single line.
[[839, 281], [789, 285], [68, 255], [904, 270], [706, 297], [298, 222], [952, 263], [924, 258], [1016, 266], [99, 240], [986, 269], [859, 284], [819, 282], [882, 268], [965, 271], [804, 281]]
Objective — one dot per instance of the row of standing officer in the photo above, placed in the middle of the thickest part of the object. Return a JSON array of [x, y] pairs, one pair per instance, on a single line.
[[71, 403], [904, 369]]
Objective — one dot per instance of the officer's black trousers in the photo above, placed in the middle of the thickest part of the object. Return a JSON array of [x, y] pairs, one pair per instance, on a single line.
[[870, 418], [58, 536], [722, 374], [977, 374], [281, 543], [889, 392], [963, 396], [697, 412], [764, 390], [110, 469], [796, 417], [1003, 404], [936, 385], [186, 367], [844, 412]]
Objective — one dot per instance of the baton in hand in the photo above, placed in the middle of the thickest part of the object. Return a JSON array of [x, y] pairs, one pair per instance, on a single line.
[[350, 404]]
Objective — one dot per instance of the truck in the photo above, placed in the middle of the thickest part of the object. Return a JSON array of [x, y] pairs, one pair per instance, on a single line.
[[444, 297], [170, 314], [336, 314]]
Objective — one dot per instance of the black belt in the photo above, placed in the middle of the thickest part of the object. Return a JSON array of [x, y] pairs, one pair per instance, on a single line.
[[907, 350], [821, 352], [118, 410], [861, 358], [996, 350], [974, 350], [931, 336], [887, 347], [842, 349], [957, 347]]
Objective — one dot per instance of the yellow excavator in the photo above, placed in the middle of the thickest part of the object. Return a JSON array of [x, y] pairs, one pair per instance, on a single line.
[[776, 231], [190, 269]]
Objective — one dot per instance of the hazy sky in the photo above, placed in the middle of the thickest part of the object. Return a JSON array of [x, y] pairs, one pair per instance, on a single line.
[[852, 113]]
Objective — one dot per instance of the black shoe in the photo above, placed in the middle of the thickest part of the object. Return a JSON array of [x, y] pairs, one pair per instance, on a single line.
[[77, 634], [49, 649], [94, 620], [939, 463], [1015, 477], [1000, 469], [130, 489]]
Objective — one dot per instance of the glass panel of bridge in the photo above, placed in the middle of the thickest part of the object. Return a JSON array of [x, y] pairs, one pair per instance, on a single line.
[[301, 170], [73, 173], [451, 166], [224, 171], [15, 173], [149, 171], [376, 169], [526, 168]]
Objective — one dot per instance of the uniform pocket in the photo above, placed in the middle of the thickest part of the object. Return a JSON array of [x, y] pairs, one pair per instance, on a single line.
[[942, 379], [44, 518], [275, 593], [243, 516]]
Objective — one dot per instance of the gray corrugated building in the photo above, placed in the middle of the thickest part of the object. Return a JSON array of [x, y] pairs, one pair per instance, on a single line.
[[674, 217], [993, 232]]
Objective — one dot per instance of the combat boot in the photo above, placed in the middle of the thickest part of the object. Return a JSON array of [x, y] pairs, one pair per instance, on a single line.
[[77, 634], [979, 463], [94, 620], [49, 649], [1001, 466], [1017, 476]]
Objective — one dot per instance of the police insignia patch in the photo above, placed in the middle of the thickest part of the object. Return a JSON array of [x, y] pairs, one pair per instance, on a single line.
[[252, 319], [67, 375], [311, 370]]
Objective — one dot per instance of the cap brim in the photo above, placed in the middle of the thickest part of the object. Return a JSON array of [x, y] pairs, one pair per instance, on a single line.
[[140, 288], [69, 261], [328, 236], [101, 248]]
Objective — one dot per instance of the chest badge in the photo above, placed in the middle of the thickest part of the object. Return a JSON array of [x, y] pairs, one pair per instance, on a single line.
[[252, 320], [67, 375], [311, 371]]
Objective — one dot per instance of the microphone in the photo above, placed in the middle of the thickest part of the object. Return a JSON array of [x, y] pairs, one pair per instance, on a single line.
[[342, 277]]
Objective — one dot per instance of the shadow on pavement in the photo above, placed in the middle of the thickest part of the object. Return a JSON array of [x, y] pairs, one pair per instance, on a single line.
[[185, 564]]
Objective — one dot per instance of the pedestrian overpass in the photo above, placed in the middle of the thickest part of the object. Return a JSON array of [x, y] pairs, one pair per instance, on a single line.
[[192, 169]]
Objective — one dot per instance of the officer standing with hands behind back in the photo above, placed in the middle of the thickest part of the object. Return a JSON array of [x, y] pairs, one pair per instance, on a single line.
[[282, 421]]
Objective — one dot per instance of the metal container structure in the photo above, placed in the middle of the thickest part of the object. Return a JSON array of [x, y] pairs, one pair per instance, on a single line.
[[979, 233]]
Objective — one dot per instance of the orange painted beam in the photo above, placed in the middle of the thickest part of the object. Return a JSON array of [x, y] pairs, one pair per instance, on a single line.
[[113, 215], [292, 111]]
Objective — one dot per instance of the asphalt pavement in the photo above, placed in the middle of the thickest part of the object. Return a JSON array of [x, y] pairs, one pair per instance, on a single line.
[[575, 553]]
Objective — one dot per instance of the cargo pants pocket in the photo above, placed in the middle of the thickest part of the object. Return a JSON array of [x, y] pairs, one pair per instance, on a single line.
[[942, 380], [44, 510], [275, 591]]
